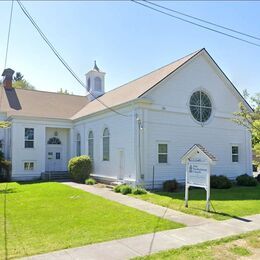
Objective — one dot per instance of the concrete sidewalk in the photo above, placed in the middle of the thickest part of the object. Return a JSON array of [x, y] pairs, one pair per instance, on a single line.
[[150, 243], [198, 230], [163, 212]]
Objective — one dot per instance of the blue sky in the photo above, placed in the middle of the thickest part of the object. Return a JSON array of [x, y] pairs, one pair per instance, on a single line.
[[126, 39]]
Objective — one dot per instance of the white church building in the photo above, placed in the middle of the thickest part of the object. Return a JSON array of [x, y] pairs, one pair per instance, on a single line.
[[133, 132]]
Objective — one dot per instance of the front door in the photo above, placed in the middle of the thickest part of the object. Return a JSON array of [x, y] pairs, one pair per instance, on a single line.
[[54, 159], [121, 170]]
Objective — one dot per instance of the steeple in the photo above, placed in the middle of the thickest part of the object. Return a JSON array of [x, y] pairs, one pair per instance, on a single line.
[[95, 82], [95, 66]]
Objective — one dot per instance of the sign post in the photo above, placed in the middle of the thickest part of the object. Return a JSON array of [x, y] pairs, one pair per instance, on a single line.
[[198, 170]]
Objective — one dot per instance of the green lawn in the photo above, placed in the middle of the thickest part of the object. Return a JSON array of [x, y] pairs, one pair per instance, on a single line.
[[228, 203], [42, 217], [245, 245]]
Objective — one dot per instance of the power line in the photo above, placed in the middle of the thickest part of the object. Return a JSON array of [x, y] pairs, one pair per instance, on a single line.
[[57, 54], [9, 32], [204, 21], [196, 24]]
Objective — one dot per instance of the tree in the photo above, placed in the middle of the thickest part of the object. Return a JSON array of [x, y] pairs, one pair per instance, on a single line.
[[18, 76], [65, 91], [251, 120], [20, 82]]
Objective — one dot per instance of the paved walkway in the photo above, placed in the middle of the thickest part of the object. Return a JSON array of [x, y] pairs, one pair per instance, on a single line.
[[170, 214], [126, 248]]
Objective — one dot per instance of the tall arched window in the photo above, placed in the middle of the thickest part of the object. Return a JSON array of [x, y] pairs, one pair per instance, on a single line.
[[97, 82], [78, 145], [91, 144], [106, 145]]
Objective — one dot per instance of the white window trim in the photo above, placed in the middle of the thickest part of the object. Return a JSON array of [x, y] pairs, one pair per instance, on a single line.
[[91, 138], [78, 144], [109, 145], [29, 161], [157, 155], [29, 140], [238, 154]]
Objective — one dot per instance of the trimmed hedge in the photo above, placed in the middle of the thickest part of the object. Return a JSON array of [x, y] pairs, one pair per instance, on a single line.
[[170, 185], [246, 180], [220, 182], [80, 168], [127, 189]]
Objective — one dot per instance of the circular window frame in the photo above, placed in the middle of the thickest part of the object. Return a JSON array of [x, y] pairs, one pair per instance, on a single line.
[[211, 102]]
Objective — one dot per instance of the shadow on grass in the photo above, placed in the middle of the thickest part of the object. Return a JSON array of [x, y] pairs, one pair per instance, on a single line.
[[234, 193], [8, 191], [230, 216]]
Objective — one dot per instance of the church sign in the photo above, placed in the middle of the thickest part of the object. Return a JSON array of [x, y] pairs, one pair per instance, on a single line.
[[198, 174], [198, 170]]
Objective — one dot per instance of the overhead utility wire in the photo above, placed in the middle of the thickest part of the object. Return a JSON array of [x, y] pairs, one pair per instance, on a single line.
[[196, 24], [61, 59], [9, 32], [204, 21]]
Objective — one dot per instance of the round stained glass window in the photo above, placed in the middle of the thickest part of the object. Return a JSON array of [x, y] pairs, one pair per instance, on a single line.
[[200, 106]]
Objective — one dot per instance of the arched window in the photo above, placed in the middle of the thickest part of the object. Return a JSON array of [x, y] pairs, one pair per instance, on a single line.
[[78, 145], [200, 106], [97, 82], [54, 140], [106, 145], [91, 145]]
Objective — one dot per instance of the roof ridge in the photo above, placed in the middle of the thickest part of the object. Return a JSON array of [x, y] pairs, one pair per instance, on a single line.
[[191, 54], [51, 92]]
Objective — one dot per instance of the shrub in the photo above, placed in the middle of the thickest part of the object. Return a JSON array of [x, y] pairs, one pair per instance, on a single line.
[[258, 177], [90, 181], [5, 169], [220, 182], [170, 185], [126, 189], [117, 188], [139, 191], [80, 168], [246, 180]]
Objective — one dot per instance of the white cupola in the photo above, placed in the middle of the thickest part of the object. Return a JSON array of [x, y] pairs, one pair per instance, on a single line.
[[95, 82]]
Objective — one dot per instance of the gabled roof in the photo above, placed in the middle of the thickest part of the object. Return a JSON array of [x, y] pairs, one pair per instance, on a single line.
[[33, 103], [194, 149], [133, 89], [55, 105]]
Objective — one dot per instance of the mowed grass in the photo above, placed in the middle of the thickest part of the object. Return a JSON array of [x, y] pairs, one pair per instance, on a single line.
[[245, 245], [228, 203], [43, 217]]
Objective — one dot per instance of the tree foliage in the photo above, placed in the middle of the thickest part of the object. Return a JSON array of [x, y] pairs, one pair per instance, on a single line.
[[18, 76], [64, 91], [20, 82], [251, 120]]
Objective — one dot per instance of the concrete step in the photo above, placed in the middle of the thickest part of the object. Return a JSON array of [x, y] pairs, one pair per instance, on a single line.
[[56, 176]]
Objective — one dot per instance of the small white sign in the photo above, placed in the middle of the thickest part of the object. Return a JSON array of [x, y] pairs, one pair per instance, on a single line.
[[198, 169], [198, 174]]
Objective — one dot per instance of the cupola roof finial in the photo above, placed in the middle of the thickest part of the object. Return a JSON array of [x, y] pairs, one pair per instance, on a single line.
[[95, 66]]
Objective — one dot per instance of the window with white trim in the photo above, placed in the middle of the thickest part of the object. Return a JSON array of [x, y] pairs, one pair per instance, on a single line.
[[29, 137], [235, 153], [106, 136], [162, 153], [78, 144], [28, 166], [90, 144], [200, 106]]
